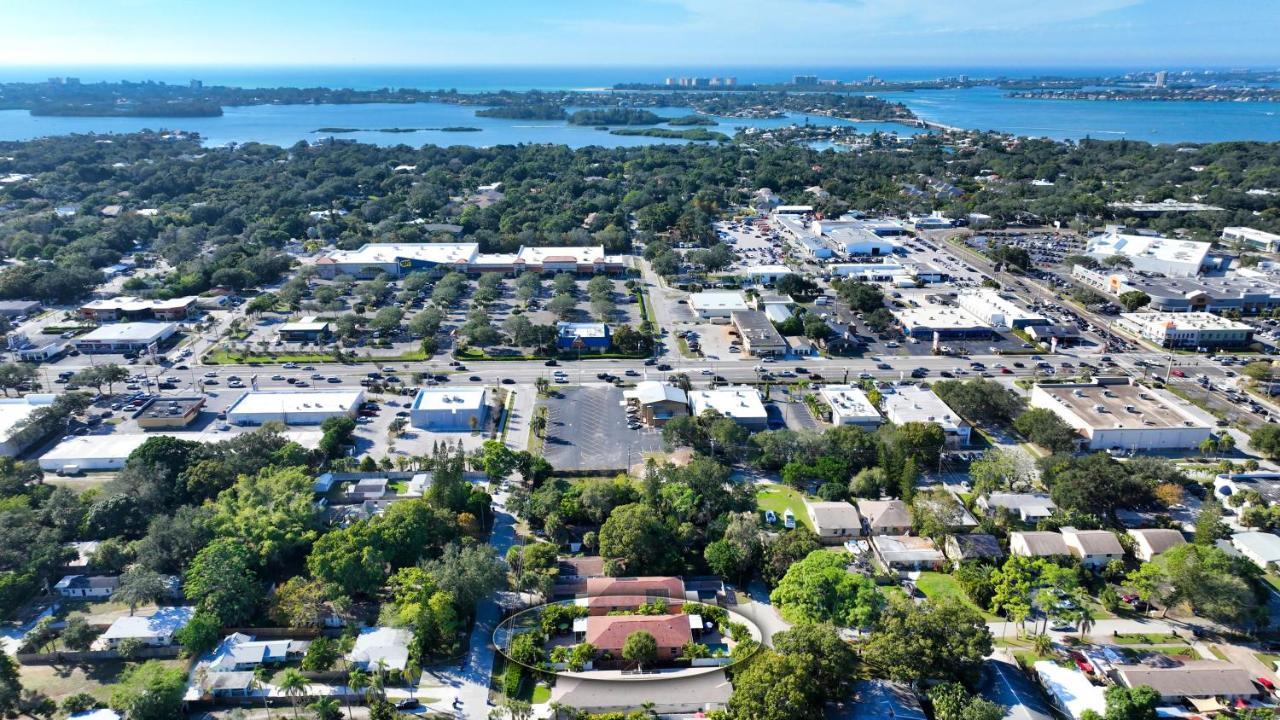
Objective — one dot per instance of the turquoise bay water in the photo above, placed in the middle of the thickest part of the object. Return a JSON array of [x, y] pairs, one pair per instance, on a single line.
[[288, 124]]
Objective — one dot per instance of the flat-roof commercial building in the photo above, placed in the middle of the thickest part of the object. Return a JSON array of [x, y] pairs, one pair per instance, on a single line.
[[850, 406], [1251, 238], [886, 270], [717, 303], [1262, 548], [294, 407], [759, 337], [947, 322], [449, 409], [1125, 416], [14, 308], [1148, 253], [125, 337], [1246, 290], [105, 452], [741, 404], [169, 412], [913, 403], [396, 259], [1168, 205], [766, 274], [15, 411], [589, 337], [308, 329], [1187, 329], [801, 238], [997, 310], [132, 308]]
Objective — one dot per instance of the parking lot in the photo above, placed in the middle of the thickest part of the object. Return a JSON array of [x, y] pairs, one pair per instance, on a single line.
[[587, 430]]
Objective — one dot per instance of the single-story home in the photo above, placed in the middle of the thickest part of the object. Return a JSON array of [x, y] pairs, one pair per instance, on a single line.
[[904, 553], [834, 522], [974, 546], [1263, 548], [238, 651], [885, 517], [1150, 542], [155, 630], [1038, 544], [1095, 548], [1194, 679], [688, 694], [86, 586], [386, 644], [1027, 507]]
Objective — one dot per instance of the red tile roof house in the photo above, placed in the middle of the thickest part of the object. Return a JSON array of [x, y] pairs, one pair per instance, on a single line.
[[606, 594], [608, 633]]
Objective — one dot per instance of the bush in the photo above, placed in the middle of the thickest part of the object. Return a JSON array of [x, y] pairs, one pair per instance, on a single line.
[[512, 677]]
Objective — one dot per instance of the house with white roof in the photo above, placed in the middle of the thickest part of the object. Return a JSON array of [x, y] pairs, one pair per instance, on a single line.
[[154, 630], [710, 304], [1263, 548], [1028, 507], [381, 647], [239, 652]]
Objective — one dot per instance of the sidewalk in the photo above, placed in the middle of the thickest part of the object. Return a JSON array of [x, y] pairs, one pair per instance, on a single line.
[[521, 413]]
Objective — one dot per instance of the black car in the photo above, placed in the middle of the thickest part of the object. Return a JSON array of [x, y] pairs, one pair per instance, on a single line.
[[476, 378], [884, 366], [508, 381], [551, 363], [408, 704], [664, 367]]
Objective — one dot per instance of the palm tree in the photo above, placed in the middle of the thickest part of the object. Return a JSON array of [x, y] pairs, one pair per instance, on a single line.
[[1042, 644], [325, 709], [259, 683], [538, 424], [357, 682], [380, 679], [293, 684], [1084, 616]]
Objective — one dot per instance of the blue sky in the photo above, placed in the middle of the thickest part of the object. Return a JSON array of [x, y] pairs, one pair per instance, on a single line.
[[868, 33]]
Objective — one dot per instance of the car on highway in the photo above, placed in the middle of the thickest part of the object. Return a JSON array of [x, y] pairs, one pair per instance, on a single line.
[[334, 379]]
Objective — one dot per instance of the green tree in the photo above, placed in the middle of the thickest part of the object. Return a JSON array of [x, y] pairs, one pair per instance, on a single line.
[[1046, 429], [1266, 440], [952, 702], [495, 459], [640, 648], [787, 549], [292, 683], [78, 635], [829, 659], [635, 541], [1133, 300], [201, 633], [139, 586], [273, 513], [150, 691], [820, 588], [222, 582], [939, 639], [773, 686], [14, 376]]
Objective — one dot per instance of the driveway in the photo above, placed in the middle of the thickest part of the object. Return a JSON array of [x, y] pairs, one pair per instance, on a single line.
[[469, 681], [754, 605]]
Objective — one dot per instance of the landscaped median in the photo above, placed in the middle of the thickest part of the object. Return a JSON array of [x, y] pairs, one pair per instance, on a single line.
[[222, 356]]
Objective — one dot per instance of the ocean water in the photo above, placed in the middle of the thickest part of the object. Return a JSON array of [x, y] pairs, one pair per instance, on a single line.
[[976, 108], [286, 125]]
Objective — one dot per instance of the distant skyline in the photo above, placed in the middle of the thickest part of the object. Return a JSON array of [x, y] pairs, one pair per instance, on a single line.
[[660, 33]]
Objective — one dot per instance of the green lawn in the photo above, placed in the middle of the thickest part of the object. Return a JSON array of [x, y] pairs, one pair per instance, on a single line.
[[541, 694], [1146, 639], [780, 497], [1272, 580], [60, 681], [1267, 659], [939, 585]]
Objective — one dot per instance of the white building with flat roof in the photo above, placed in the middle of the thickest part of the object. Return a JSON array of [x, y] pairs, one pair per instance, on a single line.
[[1123, 416], [947, 322], [1187, 329], [1256, 239], [110, 451], [914, 403], [125, 337], [741, 404], [449, 409], [850, 406], [765, 274], [717, 303], [395, 259], [1149, 253], [13, 412], [294, 407], [1262, 548], [998, 311]]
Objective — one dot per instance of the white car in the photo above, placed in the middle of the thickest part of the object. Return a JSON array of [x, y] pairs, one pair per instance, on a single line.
[[707, 372], [789, 519]]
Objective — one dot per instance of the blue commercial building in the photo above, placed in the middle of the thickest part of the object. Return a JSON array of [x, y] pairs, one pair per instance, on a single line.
[[589, 337]]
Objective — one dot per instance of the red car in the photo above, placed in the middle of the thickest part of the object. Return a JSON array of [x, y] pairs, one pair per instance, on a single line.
[[1177, 373]]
